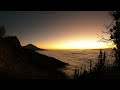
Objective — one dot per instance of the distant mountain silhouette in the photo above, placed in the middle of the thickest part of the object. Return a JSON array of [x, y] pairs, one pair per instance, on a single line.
[[32, 47], [20, 63]]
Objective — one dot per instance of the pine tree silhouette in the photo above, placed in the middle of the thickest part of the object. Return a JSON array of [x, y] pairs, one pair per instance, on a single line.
[[2, 31], [114, 31]]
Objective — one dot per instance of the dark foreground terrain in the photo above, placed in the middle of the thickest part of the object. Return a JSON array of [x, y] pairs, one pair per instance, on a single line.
[[17, 62]]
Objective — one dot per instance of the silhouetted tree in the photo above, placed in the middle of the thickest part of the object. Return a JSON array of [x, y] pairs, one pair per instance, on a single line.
[[2, 31], [101, 59], [114, 31]]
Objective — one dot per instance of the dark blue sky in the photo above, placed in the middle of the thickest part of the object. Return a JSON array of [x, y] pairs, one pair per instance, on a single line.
[[53, 29]]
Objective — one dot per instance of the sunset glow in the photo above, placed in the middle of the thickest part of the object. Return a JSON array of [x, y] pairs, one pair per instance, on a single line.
[[85, 45], [58, 29], [80, 45]]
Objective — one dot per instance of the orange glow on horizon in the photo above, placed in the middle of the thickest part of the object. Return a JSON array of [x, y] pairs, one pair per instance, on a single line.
[[77, 45]]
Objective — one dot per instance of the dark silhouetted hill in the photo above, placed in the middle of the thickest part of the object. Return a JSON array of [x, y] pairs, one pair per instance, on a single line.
[[32, 47], [18, 62]]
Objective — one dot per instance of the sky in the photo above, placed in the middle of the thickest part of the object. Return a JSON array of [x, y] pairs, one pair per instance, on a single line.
[[57, 29]]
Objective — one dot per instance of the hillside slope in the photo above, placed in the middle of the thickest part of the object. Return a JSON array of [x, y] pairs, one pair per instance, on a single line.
[[18, 62]]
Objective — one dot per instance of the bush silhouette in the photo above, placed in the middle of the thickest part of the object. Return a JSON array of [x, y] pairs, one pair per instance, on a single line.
[[2, 31]]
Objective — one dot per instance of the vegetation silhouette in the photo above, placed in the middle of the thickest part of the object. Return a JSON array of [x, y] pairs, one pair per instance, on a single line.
[[103, 70], [17, 62], [2, 31]]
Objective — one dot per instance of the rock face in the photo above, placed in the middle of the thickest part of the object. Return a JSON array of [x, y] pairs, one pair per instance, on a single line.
[[13, 40], [32, 47], [18, 62]]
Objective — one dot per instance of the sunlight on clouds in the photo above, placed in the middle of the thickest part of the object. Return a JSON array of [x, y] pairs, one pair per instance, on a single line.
[[83, 45]]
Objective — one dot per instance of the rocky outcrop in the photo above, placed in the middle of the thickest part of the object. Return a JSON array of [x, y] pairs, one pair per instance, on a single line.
[[13, 41], [18, 62]]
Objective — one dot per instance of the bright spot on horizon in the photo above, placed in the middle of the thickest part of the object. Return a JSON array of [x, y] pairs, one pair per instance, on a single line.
[[86, 45], [81, 45], [57, 29]]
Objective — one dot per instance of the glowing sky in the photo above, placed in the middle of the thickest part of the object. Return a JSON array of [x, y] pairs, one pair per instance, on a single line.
[[56, 29]]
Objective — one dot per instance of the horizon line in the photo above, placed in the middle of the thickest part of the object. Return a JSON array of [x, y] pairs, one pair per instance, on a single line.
[[80, 49]]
